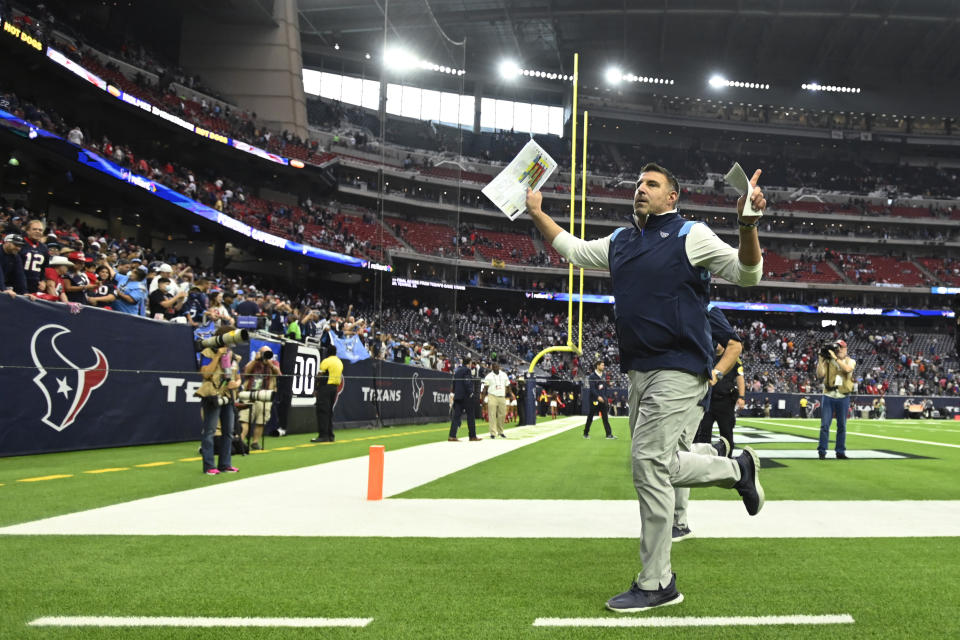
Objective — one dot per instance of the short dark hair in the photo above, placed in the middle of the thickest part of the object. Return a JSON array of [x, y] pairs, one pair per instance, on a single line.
[[653, 166], [162, 280]]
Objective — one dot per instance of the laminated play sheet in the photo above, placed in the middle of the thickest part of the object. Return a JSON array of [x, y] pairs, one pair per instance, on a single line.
[[530, 169]]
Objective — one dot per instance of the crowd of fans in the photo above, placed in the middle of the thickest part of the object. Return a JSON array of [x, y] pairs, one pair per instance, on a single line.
[[84, 266], [73, 264], [888, 363], [782, 169], [320, 226], [215, 115]]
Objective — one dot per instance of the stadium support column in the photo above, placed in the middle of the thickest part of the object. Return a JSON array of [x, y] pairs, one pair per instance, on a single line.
[[256, 65], [477, 99]]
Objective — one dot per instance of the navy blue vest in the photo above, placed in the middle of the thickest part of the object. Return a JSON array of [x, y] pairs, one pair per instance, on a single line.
[[660, 299]]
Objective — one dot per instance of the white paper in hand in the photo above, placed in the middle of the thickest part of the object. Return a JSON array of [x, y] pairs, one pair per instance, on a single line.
[[737, 179], [530, 169]]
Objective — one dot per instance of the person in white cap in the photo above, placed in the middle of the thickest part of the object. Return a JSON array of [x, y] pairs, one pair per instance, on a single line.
[[165, 271]]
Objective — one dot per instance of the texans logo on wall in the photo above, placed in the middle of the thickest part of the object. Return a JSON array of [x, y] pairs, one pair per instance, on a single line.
[[83, 378], [56, 372], [417, 384]]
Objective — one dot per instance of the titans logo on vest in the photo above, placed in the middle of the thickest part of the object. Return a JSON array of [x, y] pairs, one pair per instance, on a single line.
[[65, 386]]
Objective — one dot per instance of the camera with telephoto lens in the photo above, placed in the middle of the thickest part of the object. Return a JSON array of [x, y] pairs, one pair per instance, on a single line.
[[266, 355], [223, 401], [827, 348], [263, 395], [232, 339]]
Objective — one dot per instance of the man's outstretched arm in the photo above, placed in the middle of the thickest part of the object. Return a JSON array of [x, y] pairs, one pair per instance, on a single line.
[[582, 253]]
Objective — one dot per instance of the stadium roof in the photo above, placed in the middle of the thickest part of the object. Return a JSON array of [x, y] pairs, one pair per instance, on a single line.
[[877, 43]]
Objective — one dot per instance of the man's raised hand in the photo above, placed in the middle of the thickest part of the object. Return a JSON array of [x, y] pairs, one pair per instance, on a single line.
[[756, 196], [534, 201]]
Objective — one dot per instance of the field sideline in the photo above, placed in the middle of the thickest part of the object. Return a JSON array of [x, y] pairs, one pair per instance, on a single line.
[[481, 585]]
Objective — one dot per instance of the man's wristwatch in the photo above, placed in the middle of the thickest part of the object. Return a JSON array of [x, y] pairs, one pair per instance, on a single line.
[[719, 374]]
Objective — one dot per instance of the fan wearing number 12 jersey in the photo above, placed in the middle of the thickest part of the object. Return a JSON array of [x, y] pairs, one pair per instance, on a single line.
[[35, 255]]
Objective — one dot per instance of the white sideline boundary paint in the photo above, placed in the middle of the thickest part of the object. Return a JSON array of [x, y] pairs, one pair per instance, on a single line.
[[165, 621], [287, 503], [741, 621], [760, 421]]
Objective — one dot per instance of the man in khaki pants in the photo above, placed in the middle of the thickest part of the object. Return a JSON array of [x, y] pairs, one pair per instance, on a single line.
[[496, 387]]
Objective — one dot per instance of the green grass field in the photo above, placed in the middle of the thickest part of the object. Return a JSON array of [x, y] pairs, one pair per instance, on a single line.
[[566, 467], [479, 587]]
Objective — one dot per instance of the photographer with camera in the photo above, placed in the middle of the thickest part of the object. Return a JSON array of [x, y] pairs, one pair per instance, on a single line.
[[218, 393], [835, 368], [259, 383]]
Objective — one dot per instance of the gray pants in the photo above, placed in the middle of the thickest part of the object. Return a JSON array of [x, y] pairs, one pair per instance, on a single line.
[[682, 495], [663, 405]]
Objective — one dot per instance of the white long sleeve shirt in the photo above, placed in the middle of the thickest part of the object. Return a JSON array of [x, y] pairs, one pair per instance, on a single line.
[[703, 247]]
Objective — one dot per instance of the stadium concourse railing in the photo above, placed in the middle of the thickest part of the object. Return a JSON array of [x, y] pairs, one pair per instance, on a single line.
[[77, 377]]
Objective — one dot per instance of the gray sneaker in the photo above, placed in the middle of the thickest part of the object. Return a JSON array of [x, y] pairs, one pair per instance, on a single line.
[[748, 486], [681, 533], [636, 599]]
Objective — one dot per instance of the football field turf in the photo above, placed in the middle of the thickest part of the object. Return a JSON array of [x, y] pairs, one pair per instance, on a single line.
[[485, 586]]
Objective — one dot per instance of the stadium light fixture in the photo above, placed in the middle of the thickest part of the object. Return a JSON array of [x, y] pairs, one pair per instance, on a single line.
[[615, 76], [718, 81], [399, 59], [336, 46], [829, 88], [509, 70]]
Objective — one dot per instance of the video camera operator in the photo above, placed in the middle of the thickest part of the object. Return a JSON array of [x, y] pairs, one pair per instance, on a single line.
[[260, 374], [835, 368], [218, 393]]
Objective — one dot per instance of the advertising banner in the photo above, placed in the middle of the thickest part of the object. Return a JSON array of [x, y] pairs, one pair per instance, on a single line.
[[372, 392], [77, 377]]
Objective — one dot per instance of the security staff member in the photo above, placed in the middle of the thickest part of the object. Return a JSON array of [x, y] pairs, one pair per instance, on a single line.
[[461, 401], [836, 371], [328, 384], [728, 385], [597, 401]]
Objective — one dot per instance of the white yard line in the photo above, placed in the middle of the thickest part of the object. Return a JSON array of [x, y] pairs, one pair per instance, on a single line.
[[763, 422], [167, 621], [740, 621]]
